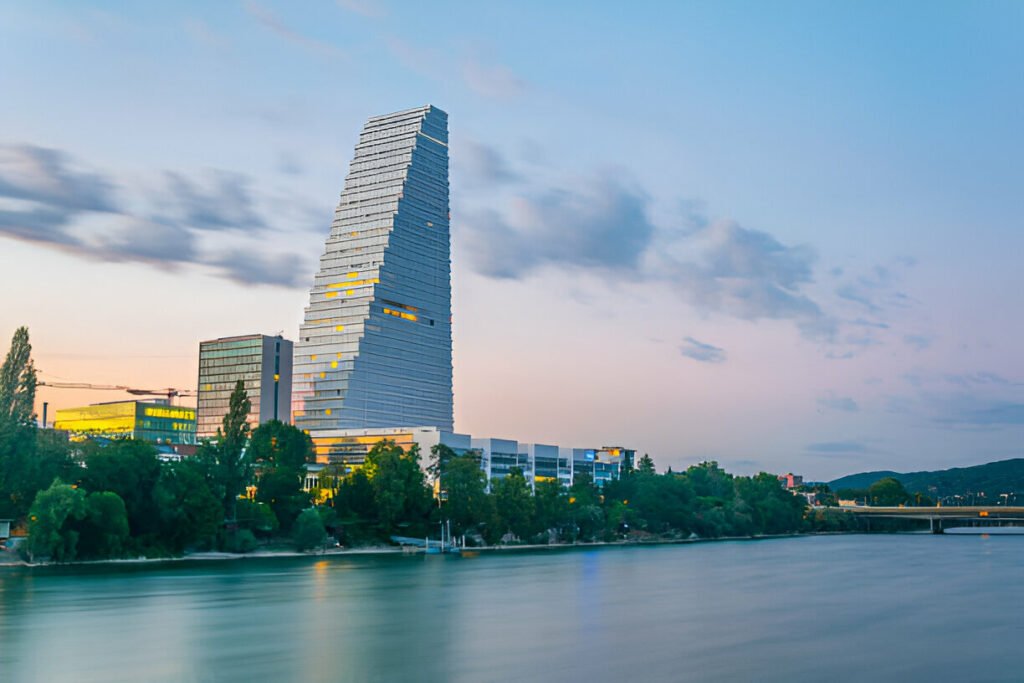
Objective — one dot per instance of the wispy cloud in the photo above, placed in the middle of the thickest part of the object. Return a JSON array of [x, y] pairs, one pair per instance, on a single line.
[[602, 224], [831, 401], [702, 352], [495, 81], [271, 21], [45, 198], [482, 165]]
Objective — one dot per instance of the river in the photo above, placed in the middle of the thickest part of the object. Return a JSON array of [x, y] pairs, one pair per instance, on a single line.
[[827, 608]]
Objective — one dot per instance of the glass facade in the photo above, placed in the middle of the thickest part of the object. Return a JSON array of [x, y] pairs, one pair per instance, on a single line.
[[375, 347], [155, 421], [263, 363]]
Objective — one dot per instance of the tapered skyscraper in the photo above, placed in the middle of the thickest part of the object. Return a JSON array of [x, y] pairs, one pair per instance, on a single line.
[[375, 349]]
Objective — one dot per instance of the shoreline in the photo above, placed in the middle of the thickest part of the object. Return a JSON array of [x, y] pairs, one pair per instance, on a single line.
[[216, 556]]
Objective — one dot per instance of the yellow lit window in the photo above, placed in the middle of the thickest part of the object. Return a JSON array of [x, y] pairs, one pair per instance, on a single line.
[[334, 363], [313, 357], [339, 328], [339, 354], [353, 275], [323, 375], [277, 377], [327, 412], [331, 295], [349, 292]]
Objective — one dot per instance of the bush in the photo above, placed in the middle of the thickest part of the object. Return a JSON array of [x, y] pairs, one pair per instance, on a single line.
[[240, 541], [309, 530]]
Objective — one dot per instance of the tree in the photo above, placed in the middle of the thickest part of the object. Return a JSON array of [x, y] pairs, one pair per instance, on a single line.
[[399, 490], [586, 510], [468, 506], [103, 530], [513, 502], [279, 453], [646, 465], [228, 468], [18, 467], [309, 530], [49, 535], [551, 505], [189, 512], [130, 468], [887, 491]]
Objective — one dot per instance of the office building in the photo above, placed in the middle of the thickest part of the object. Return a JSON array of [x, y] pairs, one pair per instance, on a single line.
[[375, 347], [263, 363], [538, 462], [156, 421]]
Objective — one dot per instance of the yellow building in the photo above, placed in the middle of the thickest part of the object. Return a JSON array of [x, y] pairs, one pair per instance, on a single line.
[[155, 421]]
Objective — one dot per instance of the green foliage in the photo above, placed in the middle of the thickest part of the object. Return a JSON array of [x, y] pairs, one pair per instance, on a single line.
[[887, 491], [309, 530], [50, 534], [551, 507], [400, 495], [280, 452], [645, 465], [468, 505], [258, 518], [227, 465], [190, 514], [103, 531], [29, 459], [130, 469], [513, 503], [240, 541]]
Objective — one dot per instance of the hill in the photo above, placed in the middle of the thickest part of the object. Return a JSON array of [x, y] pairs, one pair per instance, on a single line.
[[994, 478]]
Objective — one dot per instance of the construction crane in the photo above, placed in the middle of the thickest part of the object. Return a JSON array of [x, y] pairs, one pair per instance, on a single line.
[[170, 393]]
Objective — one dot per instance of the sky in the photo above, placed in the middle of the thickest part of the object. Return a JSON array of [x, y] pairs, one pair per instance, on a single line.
[[784, 236]]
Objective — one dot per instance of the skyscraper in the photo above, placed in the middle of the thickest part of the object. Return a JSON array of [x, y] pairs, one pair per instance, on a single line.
[[263, 363], [375, 349]]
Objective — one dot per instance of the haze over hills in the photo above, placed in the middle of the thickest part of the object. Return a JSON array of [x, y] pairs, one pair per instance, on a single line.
[[994, 478]]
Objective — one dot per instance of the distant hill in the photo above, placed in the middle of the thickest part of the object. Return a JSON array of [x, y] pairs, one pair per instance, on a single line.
[[994, 478]]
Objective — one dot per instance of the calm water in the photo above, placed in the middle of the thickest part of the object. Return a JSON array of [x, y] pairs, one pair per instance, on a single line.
[[842, 608]]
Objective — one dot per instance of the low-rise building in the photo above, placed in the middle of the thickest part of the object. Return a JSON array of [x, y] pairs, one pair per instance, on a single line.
[[538, 462], [156, 421]]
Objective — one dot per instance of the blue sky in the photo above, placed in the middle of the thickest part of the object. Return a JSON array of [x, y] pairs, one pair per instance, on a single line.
[[781, 235]]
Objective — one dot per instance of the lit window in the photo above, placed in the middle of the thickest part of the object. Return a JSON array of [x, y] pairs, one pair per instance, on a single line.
[[334, 363], [327, 412], [313, 357], [339, 328], [323, 375], [331, 295], [353, 275]]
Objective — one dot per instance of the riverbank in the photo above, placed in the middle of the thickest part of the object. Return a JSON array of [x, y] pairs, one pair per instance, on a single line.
[[11, 559]]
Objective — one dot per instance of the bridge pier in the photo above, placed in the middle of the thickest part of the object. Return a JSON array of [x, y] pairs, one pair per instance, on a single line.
[[936, 523]]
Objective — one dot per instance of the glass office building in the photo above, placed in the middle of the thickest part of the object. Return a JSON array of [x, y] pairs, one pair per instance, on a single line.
[[156, 421], [375, 347], [263, 363]]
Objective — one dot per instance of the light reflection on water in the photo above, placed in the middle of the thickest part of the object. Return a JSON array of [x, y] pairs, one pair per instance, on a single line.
[[807, 609]]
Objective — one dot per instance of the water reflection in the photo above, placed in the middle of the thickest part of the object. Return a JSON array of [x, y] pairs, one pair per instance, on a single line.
[[892, 607]]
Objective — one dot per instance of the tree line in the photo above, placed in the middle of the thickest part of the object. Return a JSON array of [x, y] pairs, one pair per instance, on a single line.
[[243, 489]]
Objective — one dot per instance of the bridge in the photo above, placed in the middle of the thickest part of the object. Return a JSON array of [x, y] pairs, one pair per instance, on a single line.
[[940, 517]]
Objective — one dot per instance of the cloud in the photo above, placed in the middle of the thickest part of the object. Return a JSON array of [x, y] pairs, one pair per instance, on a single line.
[[837, 447], [972, 411], [366, 8], [290, 164], [271, 21], [483, 165], [227, 203], [250, 267], [841, 403], [47, 202], [492, 80], [919, 342], [603, 225], [43, 175], [745, 273], [148, 241], [699, 351], [38, 224]]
